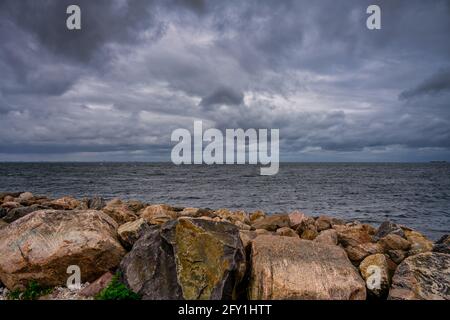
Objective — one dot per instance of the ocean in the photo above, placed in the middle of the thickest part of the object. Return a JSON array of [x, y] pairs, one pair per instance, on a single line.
[[416, 194]]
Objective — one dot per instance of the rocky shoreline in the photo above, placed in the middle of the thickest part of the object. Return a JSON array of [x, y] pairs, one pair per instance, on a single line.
[[156, 251]]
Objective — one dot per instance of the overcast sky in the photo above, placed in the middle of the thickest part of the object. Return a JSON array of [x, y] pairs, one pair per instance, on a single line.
[[140, 69]]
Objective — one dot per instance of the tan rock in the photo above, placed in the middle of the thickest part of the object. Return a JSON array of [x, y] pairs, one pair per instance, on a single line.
[[288, 268], [10, 205], [26, 196], [309, 234], [419, 243], [296, 217], [327, 237], [42, 245], [257, 215], [375, 271], [360, 251], [247, 237], [323, 223], [64, 203], [394, 242], [307, 229], [8, 198], [272, 222], [287, 232], [119, 211], [353, 234], [242, 225], [262, 231], [158, 214], [131, 231]]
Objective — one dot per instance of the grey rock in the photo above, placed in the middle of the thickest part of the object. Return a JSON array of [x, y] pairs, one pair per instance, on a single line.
[[388, 227], [17, 213], [186, 258], [442, 245], [425, 276]]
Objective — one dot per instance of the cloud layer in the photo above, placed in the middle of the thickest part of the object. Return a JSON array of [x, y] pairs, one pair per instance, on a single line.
[[139, 69]]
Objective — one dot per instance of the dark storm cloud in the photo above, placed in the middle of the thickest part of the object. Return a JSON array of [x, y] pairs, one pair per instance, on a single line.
[[437, 83], [139, 69], [223, 96]]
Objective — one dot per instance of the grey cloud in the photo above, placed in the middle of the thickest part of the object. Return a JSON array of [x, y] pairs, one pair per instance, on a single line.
[[439, 82], [223, 96]]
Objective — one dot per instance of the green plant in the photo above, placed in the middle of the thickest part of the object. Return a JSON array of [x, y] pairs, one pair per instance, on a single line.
[[31, 292], [116, 290]]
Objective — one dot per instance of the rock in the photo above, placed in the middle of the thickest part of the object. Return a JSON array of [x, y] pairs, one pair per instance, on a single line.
[[242, 226], [272, 223], [41, 245], [9, 196], [96, 203], [361, 251], [375, 271], [442, 245], [10, 205], [419, 243], [287, 232], [388, 227], [26, 196], [323, 223], [307, 229], [187, 258], [17, 213], [257, 215], [262, 231], [246, 238], [130, 232], [394, 242], [353, 234], [2, 212], [3, 223], [196, 212], [97, 286], [397, 255], [424, 276], [287, 268], [327, 237], [295, 218], [64, 203], [64, 293], [309, 234], [119, 211], [135, 205], [158, 214]]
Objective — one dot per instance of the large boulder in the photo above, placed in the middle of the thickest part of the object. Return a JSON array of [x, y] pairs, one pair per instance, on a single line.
[[272, 222], [119, 211], [288, 268], [187, 258], [425, 276], [42, 245]]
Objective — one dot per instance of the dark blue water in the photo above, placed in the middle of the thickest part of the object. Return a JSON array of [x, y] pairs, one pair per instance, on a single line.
[[417, 195]]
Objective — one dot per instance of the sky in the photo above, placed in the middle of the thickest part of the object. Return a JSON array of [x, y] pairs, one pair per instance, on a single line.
[[137, 70]]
